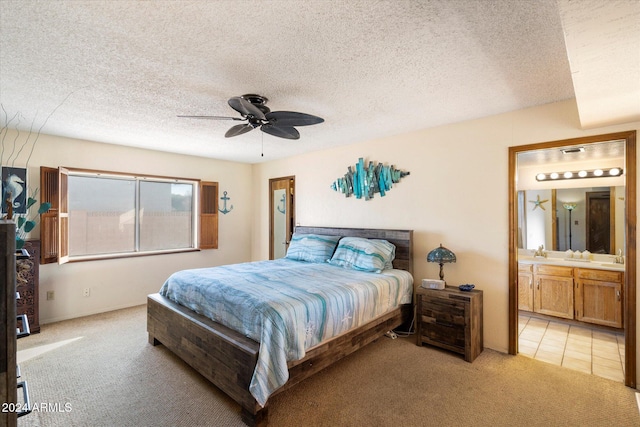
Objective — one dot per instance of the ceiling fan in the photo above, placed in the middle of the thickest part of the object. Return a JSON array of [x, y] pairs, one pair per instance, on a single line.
[[254, 111]]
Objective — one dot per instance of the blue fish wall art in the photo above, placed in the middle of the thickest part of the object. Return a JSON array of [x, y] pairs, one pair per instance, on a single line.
[[366, 180]]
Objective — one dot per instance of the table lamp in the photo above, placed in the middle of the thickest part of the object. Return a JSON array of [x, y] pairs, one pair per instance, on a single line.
[[441, 255]]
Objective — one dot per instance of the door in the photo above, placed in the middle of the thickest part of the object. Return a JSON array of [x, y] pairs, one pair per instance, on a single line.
[[553, 295], [599, 297], [281, 214], [598, 222], [525, 287]]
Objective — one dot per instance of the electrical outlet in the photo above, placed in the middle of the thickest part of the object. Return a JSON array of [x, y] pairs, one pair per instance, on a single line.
[[86, 292], [51, 295]]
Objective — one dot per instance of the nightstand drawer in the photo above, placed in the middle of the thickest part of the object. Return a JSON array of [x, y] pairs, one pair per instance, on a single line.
[[443, 311], [449, 336]]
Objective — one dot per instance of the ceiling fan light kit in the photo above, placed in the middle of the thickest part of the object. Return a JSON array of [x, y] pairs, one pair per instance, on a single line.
[[255, 113]]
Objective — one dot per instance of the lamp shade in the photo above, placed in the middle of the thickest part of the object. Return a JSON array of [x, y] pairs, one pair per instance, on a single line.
[[441, 255]]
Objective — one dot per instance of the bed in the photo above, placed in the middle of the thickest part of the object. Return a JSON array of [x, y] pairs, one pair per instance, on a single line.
[[229, 359]]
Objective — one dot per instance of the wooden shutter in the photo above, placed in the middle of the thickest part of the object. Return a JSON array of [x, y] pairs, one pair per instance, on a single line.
[[63, 216], [208, 215], [49, 220]]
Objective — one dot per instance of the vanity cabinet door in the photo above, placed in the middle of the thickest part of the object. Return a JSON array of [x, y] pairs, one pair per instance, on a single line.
[[553, 291], [525, 287], [599, 297]]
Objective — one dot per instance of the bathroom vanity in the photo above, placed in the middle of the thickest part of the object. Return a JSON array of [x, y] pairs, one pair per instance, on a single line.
[[588, 291]]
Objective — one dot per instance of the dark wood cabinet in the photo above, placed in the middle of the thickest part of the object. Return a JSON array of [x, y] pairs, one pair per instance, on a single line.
[[28, 276], [8, 375], [451, 319]]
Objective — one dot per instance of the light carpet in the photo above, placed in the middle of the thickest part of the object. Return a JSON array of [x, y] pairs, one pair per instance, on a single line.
[[114, 377]]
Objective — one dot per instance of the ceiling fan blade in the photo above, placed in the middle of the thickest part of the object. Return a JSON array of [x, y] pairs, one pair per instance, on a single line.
[[245, 108], [287, 132], [213, 117], [291, 118], [238, 130]]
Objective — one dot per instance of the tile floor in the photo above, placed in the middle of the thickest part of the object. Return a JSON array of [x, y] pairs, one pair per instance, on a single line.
[[594, 352]]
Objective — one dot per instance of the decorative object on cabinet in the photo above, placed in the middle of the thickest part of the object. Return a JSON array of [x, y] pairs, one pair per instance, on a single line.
[[366, 180], [467, 287], [433, 284], [570, 207], [27, 284], [450, 319], [17, 205], [224, 199], [441, 255]]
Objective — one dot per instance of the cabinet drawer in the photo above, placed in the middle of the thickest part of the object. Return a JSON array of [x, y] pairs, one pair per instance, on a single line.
[[602, 275], [525, 268], [442, 310], [451, 336], [554, 270]]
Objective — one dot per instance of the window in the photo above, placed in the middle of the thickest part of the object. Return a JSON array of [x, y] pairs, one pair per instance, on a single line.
[[105, 215]]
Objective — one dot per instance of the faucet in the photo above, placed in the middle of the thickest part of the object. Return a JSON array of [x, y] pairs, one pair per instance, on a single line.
[[540, 252], [619, 258]]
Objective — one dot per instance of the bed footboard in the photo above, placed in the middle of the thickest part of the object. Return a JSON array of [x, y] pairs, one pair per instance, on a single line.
[[228, 359], [221, 355]]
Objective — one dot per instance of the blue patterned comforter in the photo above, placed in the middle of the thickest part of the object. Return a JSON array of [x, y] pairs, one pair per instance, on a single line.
[[287, 306]]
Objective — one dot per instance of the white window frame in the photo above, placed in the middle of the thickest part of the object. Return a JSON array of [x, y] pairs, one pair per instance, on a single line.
[[138, 179]]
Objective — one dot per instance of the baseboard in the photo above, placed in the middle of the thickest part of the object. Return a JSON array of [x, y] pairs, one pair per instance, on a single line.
[[85, 314]]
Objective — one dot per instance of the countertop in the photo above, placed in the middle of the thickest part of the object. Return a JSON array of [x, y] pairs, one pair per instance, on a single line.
[[597, 265]]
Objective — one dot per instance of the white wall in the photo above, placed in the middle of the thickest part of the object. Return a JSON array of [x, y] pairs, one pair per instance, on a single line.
[[126, 282], [457, 195]]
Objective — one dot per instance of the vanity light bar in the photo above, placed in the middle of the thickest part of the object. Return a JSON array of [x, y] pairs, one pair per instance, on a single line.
[[596, 173]]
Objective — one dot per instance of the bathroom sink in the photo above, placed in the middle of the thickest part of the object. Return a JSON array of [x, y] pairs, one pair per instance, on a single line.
[[608, 264]]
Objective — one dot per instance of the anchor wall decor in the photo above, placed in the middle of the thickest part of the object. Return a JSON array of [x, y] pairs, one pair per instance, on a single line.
[[284, 205], [366, 180], [224, 199]]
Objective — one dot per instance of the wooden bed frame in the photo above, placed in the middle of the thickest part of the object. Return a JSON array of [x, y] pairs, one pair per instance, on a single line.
[[228, 359]]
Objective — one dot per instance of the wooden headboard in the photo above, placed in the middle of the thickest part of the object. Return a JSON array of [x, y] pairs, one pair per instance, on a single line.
[[402, 239]]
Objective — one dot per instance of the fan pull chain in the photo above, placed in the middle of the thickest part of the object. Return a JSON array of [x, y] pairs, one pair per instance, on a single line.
[[262, 137]]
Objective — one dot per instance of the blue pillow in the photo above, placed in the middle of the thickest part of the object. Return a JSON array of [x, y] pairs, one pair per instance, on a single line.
[[362, 254], [311, 247]]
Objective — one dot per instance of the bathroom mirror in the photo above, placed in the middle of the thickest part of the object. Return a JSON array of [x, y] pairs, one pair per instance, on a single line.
[[281, 214], [561, 210], [595, 221]]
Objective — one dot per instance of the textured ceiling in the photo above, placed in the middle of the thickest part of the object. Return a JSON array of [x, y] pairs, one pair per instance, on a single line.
[[594, 151], [120, 71]]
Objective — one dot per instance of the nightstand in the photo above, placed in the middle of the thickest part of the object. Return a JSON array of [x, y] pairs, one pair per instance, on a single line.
[[451, 319]]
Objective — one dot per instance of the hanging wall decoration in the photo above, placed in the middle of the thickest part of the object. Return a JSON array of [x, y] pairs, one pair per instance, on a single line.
[[538, 203], [283, 203], [224, 199], [366, 180], [14, 190]]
